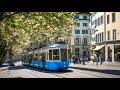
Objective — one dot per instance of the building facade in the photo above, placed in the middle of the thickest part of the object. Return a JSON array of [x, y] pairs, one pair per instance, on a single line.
[[81, 34], [107, 35]]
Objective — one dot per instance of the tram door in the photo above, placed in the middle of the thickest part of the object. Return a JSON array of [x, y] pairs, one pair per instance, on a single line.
[[63, 54]]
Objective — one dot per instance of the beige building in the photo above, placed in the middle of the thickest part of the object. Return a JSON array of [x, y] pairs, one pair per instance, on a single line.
[[107, 25], [81, 34]]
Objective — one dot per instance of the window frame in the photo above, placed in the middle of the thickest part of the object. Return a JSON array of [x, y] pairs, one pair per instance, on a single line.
[[102, 19], [114, 34], [108, 35], [113, 17], [108, 19], [85, 17]]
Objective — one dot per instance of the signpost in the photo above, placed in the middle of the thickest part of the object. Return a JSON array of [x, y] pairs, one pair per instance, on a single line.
[[97, 58]]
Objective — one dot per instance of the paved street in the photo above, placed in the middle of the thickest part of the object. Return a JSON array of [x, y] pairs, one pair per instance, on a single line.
[[76, 71]]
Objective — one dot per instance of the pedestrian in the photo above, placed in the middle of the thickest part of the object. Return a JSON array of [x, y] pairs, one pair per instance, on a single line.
[[100, 59], [83, 60], [79, 59], [76, 59], [118, 56]]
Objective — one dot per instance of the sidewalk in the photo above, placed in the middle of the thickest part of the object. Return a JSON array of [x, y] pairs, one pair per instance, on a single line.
[[105, 70], [91, 65]]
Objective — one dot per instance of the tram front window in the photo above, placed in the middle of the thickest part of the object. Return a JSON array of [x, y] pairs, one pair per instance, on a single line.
[[63, 54], [56, 54]]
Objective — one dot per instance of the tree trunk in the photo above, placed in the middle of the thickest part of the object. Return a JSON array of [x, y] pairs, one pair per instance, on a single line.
[[2, 53]]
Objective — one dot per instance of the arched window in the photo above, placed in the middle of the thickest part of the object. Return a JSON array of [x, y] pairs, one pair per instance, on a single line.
[[85, 41], [77, 41]]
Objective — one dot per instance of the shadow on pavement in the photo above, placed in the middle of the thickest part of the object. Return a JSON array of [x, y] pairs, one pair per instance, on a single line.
[[15, 67], [4, 65], [16, 77], [38, 69], [106, 71]]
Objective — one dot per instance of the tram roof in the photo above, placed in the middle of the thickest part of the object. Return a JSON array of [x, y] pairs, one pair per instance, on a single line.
[[58, 46], [51, 46]]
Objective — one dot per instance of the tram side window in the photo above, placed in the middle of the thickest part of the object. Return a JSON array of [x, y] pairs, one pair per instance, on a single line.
[[30, 57], [40, 56], [23, 57], [36, 56], [56, 54], [50, 54], [63, 54], [43, 56], [26, 57]]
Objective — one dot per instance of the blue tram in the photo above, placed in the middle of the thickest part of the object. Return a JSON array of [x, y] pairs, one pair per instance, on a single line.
[[52, 57]]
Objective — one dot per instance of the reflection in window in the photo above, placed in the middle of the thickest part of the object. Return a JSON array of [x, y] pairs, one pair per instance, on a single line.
[[63, 54], [56, 54]]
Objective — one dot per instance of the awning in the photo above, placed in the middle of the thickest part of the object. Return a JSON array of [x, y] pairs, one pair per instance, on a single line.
[[98, 47]]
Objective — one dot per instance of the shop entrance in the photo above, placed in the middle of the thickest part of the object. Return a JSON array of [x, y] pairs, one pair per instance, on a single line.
[[77, 51], [117, 53]]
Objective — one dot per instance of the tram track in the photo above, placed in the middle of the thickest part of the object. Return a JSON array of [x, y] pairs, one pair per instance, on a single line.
[[86, 72], [50, 74], [42, 73], [31, 73], [77, 74]]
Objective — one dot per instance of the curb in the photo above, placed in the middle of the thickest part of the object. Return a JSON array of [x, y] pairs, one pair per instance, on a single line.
[[87, 69]]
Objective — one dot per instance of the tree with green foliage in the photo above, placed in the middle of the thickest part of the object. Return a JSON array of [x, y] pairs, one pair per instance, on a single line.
[[19, 29]]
